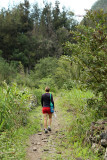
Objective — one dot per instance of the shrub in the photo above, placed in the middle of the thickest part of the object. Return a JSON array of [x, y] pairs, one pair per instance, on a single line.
[[7, 71], [13, 106], [90, 52]]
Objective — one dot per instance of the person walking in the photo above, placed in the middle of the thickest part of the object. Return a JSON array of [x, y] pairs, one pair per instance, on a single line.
[[45, 101]]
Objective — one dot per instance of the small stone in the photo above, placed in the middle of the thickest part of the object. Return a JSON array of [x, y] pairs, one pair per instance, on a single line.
[[38, 143], [34, 149], [94, 145], [104, 142], [93, 123], [59, 152], [78, 158], [46, 150], [104, 122], [44, 140], [35, 143], [39, 133], [103, 135], [105, 154], [60, 137]]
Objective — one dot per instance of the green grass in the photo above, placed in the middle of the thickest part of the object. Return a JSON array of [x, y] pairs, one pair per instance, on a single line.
[[77, 118], [13, 143]]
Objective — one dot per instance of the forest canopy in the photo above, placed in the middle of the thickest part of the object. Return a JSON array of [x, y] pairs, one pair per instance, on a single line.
[[29, 33], [100, 4]]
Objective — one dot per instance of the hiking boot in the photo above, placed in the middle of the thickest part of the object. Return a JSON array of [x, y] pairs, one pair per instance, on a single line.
[[46, 131], [49, 129]]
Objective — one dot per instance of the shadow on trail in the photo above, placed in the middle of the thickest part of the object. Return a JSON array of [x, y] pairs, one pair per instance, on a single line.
[[44, 146]]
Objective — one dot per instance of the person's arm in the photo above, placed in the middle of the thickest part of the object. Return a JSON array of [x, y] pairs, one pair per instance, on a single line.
[[42, 100], [52, 100]]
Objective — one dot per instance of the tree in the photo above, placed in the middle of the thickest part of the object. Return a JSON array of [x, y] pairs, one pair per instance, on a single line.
[[46, 21], [100, 4], [25, 17], [28, 35], [90, 52]]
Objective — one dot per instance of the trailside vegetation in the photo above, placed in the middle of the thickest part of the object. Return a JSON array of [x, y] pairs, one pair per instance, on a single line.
[[90, 53], [46, 47], [100, 4], [29, 33]]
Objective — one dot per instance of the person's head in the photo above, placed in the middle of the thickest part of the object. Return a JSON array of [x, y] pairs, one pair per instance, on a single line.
[[47, 89]]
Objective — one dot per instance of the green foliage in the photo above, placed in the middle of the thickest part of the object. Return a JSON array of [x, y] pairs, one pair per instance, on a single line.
[[38, 93], [48, 82], [34, 41], [90, 53], [77, 116], [13, 144], [45, 68], [63, 71], [100, 4], [27, 35], [13, 106], [7, 71], [66, 73]]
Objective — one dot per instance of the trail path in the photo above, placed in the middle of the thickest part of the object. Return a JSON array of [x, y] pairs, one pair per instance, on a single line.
[[48, 146]]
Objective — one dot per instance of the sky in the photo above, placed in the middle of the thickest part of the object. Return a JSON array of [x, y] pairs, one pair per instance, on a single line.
[[77, 6]]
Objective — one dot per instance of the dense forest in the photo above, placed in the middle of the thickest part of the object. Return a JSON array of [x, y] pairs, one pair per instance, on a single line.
[[100, 4], [46, 46], [29, 33]]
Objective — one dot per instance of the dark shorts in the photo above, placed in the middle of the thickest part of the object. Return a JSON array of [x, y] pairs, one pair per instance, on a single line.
[[46, 110]]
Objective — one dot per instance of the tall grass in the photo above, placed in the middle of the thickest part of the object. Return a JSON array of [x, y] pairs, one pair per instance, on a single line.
[[17, 121], [7, 71], [13, 106], [13, 145], [78, 117]]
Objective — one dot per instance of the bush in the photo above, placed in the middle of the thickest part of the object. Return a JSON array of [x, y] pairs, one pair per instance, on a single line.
[[78, 117], [13, 106], [7, 71], [38, 93], [66, 73], [90, 52], [44, 68]]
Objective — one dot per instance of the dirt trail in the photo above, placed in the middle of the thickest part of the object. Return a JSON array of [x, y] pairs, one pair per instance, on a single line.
[[44, 146]]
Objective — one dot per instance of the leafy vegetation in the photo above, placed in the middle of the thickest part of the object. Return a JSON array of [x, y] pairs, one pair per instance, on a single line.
[[100, 4], [77, 117], [30, 33], [46, 47], [13, 106], [90, 54], [7, 71], [13, 143]]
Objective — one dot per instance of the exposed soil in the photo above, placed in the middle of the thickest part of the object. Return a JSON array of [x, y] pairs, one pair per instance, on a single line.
[[45, 146], [54, 145]]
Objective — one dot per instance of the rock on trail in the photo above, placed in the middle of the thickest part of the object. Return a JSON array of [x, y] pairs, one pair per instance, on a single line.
[[42, 146]]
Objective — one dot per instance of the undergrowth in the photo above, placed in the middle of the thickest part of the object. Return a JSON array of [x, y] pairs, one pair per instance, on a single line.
[[78, 117], [13, 143]]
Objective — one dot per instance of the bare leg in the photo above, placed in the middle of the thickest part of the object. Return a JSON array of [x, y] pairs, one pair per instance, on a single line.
[[45, 120], [50, 120]]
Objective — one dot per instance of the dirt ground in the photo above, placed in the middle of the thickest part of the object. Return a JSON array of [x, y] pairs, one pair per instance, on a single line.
[[44, 146], [49, 146]]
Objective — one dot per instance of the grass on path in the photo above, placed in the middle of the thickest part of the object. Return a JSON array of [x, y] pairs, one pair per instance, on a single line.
[[13, 144], [76, 119]]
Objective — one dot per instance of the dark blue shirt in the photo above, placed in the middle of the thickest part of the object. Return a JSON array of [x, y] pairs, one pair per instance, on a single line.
[[45, 100]]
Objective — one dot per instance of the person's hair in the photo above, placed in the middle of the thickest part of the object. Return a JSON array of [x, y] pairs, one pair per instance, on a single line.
[[47, 89]]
